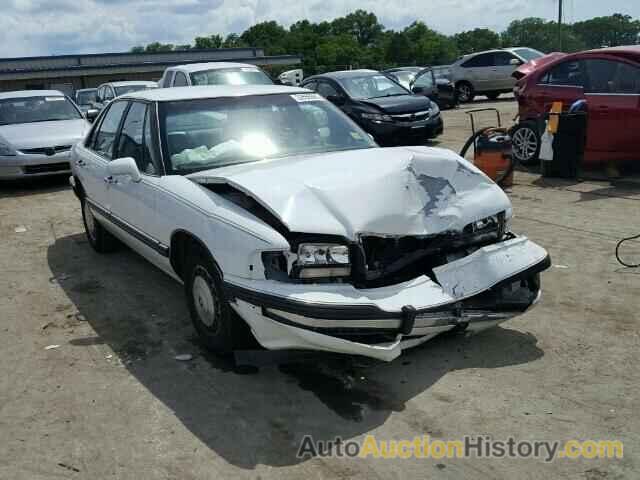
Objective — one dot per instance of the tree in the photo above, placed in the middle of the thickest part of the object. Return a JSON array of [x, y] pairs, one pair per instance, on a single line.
[[159, 47], [430, 47], [611, 31], [363, 26], [267, 35], [399, 49], [212, 41], [476, 40], [233, 40]]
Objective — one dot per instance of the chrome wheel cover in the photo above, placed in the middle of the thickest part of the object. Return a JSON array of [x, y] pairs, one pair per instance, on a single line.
[[525, 144], [205, 301], [464, 93]]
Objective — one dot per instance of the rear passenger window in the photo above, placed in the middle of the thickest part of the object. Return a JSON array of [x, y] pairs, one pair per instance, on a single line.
[[568, 74], [180, 80], [484, 60], [310, 86], [106, 135], [502, 59], [326, 90], [607, 76]]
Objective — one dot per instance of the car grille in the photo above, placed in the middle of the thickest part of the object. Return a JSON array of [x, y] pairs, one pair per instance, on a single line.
[[412, 117], [46, 168], [46, 150]]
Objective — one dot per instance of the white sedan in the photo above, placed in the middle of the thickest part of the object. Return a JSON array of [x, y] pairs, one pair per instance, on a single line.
[[38, 128], [284, 220]]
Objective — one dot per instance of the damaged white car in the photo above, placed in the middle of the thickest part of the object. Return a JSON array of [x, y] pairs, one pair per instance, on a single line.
[[284, 220]]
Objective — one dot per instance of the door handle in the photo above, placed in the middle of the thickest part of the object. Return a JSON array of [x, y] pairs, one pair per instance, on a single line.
[[110, 180]]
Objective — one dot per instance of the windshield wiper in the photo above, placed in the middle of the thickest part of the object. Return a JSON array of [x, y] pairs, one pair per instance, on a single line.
[[390, 95]]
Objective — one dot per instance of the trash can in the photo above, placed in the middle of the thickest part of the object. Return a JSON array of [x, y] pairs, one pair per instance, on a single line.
[[568, 146]]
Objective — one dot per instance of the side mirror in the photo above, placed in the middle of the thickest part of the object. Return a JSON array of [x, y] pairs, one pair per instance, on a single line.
[[126, 166], [336, 99], [515, 61], [92, 114]]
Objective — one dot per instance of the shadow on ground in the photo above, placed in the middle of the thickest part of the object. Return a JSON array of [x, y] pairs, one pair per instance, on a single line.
[[252, 417], [33, 186]]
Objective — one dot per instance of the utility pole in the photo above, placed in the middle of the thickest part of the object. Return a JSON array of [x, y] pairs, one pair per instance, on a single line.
[[560, 24]]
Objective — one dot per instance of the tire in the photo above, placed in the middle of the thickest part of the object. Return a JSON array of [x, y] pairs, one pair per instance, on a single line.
[[100, 239], [526, 143], [493, 95], [465, 92], [219, 327]]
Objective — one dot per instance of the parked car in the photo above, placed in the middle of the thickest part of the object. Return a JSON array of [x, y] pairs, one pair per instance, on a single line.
[[108, 91], [489, 73], [37, 130], [608, 79], [381, 106], [423, 81], [84, 98], [281, 217], [214, 73]]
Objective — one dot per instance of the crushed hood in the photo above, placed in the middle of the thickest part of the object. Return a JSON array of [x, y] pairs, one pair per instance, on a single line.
[[526, 68], [44, 134], [385, 191]]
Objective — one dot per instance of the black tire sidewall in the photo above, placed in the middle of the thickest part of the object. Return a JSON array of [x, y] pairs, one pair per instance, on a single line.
[[471, 94]]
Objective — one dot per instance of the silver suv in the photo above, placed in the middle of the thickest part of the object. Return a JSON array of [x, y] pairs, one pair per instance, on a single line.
[[489, 73]]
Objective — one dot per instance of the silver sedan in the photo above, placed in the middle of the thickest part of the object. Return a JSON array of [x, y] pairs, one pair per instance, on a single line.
[[38, 128]]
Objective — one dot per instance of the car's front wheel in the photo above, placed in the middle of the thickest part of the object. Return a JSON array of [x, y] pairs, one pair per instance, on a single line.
[[526, 143], [465, 92], [219, 327], [100, 239]]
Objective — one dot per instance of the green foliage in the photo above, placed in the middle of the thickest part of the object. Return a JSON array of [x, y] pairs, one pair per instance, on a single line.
[[359, 40]]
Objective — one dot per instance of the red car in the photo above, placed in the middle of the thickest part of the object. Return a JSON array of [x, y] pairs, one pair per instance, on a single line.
[[608, 79]]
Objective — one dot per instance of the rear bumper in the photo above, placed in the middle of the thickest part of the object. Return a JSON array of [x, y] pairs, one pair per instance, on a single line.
[[380, 323], [26, 166]]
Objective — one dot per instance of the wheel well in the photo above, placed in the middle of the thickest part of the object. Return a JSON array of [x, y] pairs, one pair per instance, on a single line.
[[182, 244], [78, 189], [467, 82]]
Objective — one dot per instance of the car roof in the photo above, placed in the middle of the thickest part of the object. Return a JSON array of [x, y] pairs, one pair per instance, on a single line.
[[413, 68], [625, 51], [128, 83], [85, 89], [211, 91], [198, 67], [30, 93], [343, 74]]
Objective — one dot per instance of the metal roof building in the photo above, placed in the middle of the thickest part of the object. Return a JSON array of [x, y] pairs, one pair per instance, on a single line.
[[71, 72]]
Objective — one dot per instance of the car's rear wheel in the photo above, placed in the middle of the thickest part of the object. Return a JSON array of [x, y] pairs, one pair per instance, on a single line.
[[465, 92], [219, 327], [100, 239], [526, 143]]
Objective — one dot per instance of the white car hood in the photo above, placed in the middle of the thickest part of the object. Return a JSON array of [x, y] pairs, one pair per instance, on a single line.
[[44, 134], [385, 191]]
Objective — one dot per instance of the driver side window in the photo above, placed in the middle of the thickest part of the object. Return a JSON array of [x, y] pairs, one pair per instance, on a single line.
[[180, 80], [108, 94], [105, 136], [425, 80], [326, 90]]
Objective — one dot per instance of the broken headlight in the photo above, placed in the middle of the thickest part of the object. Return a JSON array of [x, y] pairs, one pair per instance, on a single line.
[[488, 228], [323, 260]]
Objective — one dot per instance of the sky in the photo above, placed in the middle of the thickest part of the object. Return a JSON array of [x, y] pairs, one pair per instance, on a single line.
[[55, 27]]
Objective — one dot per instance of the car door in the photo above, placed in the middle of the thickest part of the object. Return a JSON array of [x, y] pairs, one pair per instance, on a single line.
[[613, 102], [503, 69], [425, 84], [133, 204], [479, 71], [92, 159], [563, 82]]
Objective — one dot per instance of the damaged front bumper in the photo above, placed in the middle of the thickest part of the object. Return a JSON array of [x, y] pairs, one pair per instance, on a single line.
[[481, 290]]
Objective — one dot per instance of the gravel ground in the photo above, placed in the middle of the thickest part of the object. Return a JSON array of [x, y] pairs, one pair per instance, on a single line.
[[110, 401]]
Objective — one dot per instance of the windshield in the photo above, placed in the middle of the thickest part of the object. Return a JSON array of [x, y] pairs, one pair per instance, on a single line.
[[210, 133], [404, 78], [123, 90], [372, 86], [37, 109], [85, 97], [528, 53], [231, 76]]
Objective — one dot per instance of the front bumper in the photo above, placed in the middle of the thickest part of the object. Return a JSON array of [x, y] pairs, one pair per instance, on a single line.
[[34, 165], [402, 133], [479, 291]]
